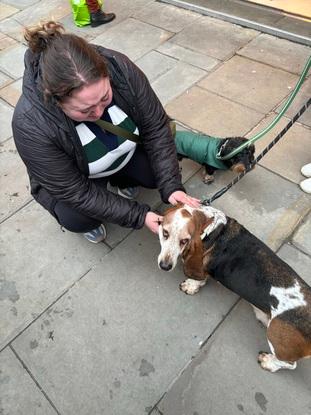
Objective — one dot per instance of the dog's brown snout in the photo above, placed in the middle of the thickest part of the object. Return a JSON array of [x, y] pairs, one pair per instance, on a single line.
[[165, 265]]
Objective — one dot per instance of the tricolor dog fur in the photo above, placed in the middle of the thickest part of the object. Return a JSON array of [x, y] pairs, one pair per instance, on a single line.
[[212, 244]]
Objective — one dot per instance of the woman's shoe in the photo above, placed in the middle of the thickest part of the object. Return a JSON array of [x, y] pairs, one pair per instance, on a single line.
[[306, 185], [129, 192], [96, 235], [306, 170]]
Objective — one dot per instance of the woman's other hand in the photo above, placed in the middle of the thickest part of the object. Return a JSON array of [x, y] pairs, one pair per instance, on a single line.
[[153, 221]]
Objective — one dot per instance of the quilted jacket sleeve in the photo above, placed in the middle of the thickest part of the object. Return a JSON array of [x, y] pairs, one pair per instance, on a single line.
[[56, 172], [155, 132]]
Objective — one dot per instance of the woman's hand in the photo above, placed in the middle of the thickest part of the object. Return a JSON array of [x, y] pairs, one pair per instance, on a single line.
[[153, 221], [182, 197]]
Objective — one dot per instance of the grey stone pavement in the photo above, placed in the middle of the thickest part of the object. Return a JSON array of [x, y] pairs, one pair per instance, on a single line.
[[90, 330]]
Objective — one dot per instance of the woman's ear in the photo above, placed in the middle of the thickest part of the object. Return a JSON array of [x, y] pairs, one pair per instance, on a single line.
[[193, 259]]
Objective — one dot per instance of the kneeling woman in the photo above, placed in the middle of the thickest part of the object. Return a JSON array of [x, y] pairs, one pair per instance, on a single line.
[[68, 86]]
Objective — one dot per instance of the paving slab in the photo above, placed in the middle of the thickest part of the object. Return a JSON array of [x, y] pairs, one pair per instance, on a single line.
[[155, 64], [12, 92], [116, 340], [22, 3], [181, 77], [209, 113], [4, 80], [301, 98], [6, 113], [290, 153], [14, 182], [267, 205], [40, 264], [302, 238], [132, 37], [214, 37], [188, 56], [225, 378], [170, 18], [19, 394], [43, 10], [124, 8], [253, 84], [280, 53], [12, 60], [299, 261], [6, 41], [13, 29], [6, 10]]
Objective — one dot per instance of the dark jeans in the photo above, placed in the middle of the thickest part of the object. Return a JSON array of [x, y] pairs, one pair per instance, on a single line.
[[137, 172]]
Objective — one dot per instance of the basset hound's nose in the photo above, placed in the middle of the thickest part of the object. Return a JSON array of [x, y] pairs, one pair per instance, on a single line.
[[166, 266]]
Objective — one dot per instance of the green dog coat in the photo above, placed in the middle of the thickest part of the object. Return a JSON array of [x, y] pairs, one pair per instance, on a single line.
[[199, 147]]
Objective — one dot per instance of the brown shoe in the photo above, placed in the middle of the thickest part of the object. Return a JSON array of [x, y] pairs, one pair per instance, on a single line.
[[100, 17]]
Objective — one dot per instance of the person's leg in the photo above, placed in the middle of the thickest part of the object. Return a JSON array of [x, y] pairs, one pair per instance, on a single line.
[[72, 220], [98, 17]]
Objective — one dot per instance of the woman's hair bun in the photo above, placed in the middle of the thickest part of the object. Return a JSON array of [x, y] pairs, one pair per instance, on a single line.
[[38, 37]]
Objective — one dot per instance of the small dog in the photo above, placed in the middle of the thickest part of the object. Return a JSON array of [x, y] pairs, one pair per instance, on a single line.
[[212, 244], [203, 149]]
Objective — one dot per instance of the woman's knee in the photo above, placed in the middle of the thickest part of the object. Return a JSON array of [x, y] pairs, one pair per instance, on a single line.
[[72, 220]]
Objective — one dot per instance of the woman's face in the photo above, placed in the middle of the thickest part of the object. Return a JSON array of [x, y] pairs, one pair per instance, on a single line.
[[89, 103]]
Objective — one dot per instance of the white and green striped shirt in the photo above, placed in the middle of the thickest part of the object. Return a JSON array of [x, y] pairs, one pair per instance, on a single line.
[[107, 153]]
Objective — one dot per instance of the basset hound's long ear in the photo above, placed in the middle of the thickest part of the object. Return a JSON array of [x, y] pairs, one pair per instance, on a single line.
[[193, 255], [193, 259]]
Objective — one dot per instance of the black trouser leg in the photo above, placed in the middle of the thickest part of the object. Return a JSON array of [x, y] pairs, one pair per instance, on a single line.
[[137, 172], [72, 220]]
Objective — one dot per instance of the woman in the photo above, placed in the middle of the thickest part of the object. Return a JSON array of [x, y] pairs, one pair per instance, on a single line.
[[68, 85]]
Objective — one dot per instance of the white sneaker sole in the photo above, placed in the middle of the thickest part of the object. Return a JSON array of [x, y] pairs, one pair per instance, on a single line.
[[306, 170]]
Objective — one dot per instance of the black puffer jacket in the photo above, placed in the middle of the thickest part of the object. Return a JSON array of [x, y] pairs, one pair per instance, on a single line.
[[47, 141]]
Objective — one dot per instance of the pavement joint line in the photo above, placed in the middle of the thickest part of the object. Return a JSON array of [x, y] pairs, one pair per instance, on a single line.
[[219, 324], [193, 51], [34, 379], [270, 65], [280, 176], [155, 26], [16, 211], [225, 316], [289, 242], [232, 100], [158, 412], [9, 344]]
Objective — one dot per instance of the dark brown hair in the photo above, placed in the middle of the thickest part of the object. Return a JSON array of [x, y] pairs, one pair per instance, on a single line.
[[68, 62]]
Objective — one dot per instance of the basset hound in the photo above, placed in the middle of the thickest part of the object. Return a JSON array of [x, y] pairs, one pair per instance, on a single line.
[[212, 244]]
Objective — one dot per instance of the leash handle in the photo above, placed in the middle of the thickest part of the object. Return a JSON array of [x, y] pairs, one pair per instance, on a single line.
[[207, 202]]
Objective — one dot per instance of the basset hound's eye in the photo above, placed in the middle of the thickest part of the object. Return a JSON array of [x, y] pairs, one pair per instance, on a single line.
[[165, 234], [183, 242]]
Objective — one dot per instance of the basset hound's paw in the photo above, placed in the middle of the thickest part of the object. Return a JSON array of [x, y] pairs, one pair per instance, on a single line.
[[190, 286], [271, 363]]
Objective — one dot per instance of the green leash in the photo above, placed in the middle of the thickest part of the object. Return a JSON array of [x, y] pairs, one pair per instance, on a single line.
[[276, 119]]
